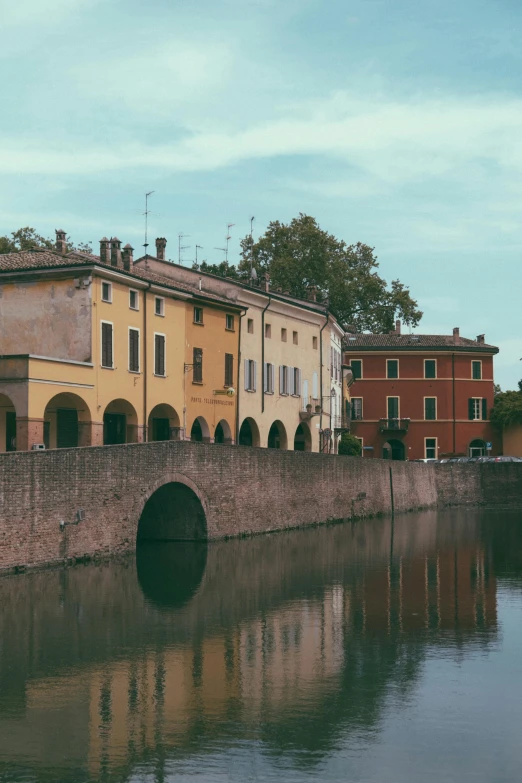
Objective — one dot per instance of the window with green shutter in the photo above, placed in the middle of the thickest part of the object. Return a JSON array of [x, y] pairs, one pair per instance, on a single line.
[[430, 408]]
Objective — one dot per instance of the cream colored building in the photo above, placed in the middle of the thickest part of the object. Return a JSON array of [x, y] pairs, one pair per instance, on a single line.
[[285, 379]]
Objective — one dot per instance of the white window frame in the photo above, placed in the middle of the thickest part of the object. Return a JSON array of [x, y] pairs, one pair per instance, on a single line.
[[198, 307], [362, 443], [315, 386], [134, 329], [436, 448], [250, 371], [477, 401], [227, 327], [134, 291], [269, 378], [109, 300], [305, 395], [476, 361], [296, 385], [105, 367], [162, 307], [398, 370], [352, 400], [160, 334], [284, 380], [436, 370], [394, 397], [431, 397]]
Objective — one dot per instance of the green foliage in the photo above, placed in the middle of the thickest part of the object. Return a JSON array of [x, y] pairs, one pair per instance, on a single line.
[[27, 238], [300, 254], [222, 270], [349, 445], [507, 409]]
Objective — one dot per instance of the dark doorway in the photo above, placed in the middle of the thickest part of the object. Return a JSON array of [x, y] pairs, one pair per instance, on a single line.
[[219, 435], [173, 513], [246, 437], [160, 429], [196, 433], [276, 437], [114, 429], [394, 449], [10, 431], [66, 428], [302, 439]]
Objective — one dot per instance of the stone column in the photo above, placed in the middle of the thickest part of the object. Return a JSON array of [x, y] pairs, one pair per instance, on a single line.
[[28, 431], [96, 433]]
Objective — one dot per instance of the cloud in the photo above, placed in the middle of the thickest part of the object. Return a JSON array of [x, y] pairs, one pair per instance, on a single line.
[[49, 12]]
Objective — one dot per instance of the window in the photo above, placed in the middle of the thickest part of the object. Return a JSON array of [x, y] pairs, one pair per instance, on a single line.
[[295, 338], [197, 365], [250, 375], [107, 344], [305, 394], [315, 386], [269, 378], [392, 405], [229, 369], [268, 330], [283, 335], [296, 387], [356, 365], [314, 343], [159, 305], [476, 371], [106, 292], [283, 380], [250, 326], [159, 354], [230, 322], [430, 448], [392, 368], [357, 407], [134, 350], [198, 315], [477, 408], [134, 301], [430, 408], [430, 368]]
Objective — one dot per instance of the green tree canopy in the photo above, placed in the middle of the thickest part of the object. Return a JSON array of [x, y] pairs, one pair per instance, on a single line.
[[507, 409], [300, 254], [349, 445], [27, 238]]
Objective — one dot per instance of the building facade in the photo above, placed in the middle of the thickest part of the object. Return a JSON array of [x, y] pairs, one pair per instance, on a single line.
[[422, 396]]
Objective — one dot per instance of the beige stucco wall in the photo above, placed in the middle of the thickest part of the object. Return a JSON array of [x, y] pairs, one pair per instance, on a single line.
[[512, 441]]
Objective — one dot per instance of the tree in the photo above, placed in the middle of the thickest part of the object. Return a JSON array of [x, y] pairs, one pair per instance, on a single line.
[[349, 445], [300, 255], [27, 238], [507, 409]]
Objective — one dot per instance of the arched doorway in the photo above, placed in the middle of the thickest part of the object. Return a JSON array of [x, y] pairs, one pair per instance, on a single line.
[[394, 449], [223, 433], [120, 423], [477, 448], [173, 513], [7, 424], [249, 433], [277, 436], [163, 423], [200, 432], [67, 422], [303, 438]]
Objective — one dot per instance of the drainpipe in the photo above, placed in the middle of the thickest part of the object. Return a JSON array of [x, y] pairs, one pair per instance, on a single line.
[[321, 368], [145, 433], [263, 354], [241, 315], [453, 393]]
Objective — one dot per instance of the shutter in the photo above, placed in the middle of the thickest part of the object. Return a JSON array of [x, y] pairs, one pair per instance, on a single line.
[[281, 379], [298, 390], [271, 380], [484, 408], [229, 369], [471, 414], [315, 394], [290, 372], [134, 356], [159, 363], [265, 377], [305, 394], [246, 374], [254, 373], [107, 345]]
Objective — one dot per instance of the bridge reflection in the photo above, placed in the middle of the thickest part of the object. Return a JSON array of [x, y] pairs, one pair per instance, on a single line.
[[295, 639]]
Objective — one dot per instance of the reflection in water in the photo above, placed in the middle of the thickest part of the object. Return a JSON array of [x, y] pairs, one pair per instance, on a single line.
[[290, 652]]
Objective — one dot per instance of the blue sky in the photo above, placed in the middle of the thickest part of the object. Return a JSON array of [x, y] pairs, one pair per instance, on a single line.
[[398, 124]]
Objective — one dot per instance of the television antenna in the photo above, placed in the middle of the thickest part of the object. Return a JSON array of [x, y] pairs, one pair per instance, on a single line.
[[224, 250], [146, 213], [253, 273], [181, 248], [198, 247], [228, 238]]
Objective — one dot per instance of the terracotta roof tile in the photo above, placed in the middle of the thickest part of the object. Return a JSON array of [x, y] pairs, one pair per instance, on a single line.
[[402, 342]]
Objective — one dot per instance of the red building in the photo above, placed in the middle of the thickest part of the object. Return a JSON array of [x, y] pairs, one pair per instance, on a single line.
[[421, 396]]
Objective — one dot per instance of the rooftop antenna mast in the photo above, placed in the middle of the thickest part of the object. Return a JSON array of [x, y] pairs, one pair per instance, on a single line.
[[228, 238], [181, 247], [198, 247], [146, 213], [252, 271]]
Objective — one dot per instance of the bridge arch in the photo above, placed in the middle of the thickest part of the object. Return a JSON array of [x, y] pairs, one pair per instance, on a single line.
[[175, 509]]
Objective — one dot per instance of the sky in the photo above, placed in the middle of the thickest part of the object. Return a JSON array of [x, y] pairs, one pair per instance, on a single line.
[[397, 124]]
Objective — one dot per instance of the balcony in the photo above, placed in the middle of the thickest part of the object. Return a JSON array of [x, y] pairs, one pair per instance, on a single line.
[[341, 423], [394, 425]]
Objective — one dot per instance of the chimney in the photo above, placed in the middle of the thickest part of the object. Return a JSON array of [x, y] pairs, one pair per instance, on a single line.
[[312, 293], [397, 327], [161, 244], [104, 250], [61, 241], [267, 282], [481, 339], [116, 253], [456, 335], [128, 258]]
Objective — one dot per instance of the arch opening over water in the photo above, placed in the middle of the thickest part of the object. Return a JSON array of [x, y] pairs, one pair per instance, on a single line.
[[173, 513]]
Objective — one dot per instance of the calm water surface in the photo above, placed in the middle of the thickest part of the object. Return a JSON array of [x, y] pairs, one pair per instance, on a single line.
[[362, 652]]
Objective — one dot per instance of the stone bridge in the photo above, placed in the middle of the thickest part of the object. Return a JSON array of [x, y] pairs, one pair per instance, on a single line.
[[69, 504]]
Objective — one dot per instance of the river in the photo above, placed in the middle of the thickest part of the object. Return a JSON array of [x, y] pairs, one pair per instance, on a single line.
[[372, 651]]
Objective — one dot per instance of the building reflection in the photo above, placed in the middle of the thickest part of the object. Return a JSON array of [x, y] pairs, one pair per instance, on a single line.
[[294, 639]]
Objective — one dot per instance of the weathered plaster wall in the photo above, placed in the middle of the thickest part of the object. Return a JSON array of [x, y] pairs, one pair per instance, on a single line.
[[46, 318]]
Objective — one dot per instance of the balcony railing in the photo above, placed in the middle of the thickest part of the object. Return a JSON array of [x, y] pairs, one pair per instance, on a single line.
[[340, 422], [394, 425]]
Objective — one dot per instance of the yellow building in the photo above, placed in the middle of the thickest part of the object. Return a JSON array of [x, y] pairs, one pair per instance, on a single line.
[[96, 351]]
